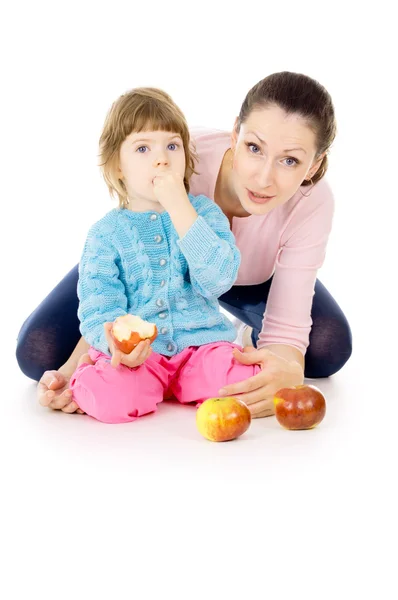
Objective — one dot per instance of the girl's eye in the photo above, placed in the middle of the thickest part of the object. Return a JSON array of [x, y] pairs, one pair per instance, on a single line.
[[142, 149], [292, 162], [172, 146], [254, 149]]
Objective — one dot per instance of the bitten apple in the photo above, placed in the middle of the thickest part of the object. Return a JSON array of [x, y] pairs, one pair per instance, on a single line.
[[129, 330], [299, 407], [222, 419]]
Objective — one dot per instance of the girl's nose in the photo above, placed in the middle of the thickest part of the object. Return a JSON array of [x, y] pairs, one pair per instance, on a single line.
[[161, 161]]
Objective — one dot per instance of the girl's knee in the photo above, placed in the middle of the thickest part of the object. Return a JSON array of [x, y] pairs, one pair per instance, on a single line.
[[210, 369], [109, 395]]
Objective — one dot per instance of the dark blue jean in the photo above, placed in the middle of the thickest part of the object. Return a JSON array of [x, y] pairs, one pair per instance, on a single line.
[[50, 334]]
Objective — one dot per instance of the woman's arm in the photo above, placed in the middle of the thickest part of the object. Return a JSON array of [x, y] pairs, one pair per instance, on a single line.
[[287, 322], [289, 353], [287, 319], [71, 364], [53, 388]]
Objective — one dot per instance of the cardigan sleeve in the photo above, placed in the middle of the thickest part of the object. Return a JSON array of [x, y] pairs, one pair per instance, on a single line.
[[209, 248], [102, 296]]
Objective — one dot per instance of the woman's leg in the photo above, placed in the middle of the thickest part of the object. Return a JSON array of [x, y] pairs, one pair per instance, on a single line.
[[330, 338], [330, 342], [50, 334], [247, 303]]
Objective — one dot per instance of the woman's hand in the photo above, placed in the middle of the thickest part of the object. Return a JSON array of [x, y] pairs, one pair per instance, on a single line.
[[136, 357], [258, 391], [53, 390]]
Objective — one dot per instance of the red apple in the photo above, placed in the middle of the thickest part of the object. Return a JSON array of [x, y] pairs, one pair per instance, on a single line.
[[222, 419], [128, 331], [299, 407]]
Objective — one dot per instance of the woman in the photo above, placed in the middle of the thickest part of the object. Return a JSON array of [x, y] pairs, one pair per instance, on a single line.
[[267, 177]]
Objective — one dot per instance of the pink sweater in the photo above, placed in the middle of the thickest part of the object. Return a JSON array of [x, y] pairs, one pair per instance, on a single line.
[[289, 243]]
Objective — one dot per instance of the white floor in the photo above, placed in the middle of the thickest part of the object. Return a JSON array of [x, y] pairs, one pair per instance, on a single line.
[[153, 506]]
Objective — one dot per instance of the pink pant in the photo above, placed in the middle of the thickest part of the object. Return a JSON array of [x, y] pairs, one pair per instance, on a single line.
[[118, 395]]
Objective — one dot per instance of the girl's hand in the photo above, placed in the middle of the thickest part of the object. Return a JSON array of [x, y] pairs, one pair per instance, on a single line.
[[169, 189], [53, 390], [136, 357], [258, 391]]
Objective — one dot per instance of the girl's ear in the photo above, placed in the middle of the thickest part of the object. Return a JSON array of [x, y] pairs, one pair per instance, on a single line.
[[119, 172]]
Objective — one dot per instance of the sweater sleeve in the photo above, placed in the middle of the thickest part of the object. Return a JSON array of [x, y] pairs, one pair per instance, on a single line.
[[101, 293], [287, 318], [209, 248]]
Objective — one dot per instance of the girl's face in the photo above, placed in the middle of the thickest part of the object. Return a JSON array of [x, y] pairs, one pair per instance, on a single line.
[[273, 154], [144, 155]]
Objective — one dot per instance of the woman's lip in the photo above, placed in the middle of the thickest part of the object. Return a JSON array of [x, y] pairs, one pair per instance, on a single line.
[[258, 200]]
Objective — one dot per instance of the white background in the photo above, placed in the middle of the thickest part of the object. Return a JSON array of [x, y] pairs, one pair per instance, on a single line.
[[94, 511]]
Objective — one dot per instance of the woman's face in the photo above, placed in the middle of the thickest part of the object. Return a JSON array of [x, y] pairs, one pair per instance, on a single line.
[[273, 154]]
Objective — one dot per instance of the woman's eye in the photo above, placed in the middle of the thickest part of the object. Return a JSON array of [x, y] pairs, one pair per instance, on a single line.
[[253, 148], [142, 149], [290, 162], [172, 146]]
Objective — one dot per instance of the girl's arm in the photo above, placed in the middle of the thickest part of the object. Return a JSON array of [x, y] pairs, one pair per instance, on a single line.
[[102, 295], [209, 248], [205, 236], [102, 298]]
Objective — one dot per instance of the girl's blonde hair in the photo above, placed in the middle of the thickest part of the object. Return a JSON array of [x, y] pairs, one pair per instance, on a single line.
[[138, 110]]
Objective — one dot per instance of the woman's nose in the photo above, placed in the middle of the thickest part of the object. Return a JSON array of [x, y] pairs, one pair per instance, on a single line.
[[265, 177]]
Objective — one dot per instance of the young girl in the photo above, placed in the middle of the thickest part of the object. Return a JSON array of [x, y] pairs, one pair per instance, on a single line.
[[163, 255]]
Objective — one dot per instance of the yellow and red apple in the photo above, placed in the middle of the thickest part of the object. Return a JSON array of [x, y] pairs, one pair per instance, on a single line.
[[222, 419]]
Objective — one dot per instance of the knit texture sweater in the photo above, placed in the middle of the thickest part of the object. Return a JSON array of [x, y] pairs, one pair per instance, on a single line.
[[135, 262]]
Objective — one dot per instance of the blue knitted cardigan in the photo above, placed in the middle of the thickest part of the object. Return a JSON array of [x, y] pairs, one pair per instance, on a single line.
[[135, 262]]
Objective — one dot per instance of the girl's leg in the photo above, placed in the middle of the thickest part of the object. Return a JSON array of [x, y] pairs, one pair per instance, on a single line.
[[208, 369], [330, 342], [50, 334], [119, 395]]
